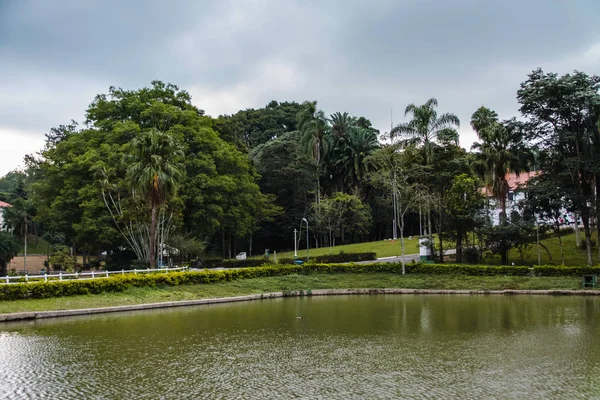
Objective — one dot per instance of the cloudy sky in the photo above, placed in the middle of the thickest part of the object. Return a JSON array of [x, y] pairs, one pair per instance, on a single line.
[[364, 57]]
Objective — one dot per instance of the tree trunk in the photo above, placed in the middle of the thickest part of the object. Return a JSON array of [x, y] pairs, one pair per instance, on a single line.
[[25, 248], [459, 246], [585, 216], [560, 245], [152, 243], [223, 242], [431, 243], [543, 246], [250, 248], [503, 216], [440, 237], [402, 242], [597, 184], [576, 227]]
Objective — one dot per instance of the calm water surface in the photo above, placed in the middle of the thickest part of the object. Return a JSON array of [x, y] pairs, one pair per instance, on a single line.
[[380, 346]]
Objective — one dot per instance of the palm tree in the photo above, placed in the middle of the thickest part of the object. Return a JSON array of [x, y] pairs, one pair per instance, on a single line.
[[501, 151], [341, 123], [155, 173], [482, 119], [426, 127], [314, 126], [351, 155]]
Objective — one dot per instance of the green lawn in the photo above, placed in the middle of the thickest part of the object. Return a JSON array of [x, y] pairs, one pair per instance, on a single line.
[[383, 248], [291, 282], [573, 255], [39, 246], [388, 248]]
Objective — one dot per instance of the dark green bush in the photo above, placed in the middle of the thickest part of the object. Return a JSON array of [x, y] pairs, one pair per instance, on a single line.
[[344, 257], [324, 259], [559, 270], [214, 263]]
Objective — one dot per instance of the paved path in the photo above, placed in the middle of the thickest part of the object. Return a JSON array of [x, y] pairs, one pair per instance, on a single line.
[[407, 258]]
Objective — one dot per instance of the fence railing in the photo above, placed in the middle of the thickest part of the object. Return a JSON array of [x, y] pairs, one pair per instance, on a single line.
[[7, 280]]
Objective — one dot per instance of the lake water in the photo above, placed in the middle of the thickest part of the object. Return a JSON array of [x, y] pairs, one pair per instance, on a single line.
[[377, 346]]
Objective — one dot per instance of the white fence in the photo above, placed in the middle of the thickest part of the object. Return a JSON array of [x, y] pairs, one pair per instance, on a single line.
[[6, 280]]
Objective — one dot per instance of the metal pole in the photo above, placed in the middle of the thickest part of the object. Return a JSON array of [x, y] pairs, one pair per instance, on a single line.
[[307, 238], [307, 241], [295, 244], [537, 231]]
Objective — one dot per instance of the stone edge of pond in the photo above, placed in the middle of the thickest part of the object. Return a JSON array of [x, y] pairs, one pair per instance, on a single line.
[[32, 315]]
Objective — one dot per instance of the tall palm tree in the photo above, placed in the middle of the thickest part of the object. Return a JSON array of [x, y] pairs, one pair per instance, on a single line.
[[501, 151], [155, 173], [314, 126], [351, 155], [341, 123], [427, 127], [482, 119]]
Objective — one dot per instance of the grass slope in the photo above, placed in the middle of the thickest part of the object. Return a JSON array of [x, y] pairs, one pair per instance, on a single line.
[[388, 248], [291, 282], [383, 248], [39, 246]]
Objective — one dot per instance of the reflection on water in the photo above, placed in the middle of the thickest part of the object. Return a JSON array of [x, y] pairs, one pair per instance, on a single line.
[[378, 346]]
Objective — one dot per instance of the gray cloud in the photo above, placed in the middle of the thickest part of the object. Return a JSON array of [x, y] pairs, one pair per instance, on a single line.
[[359, 56]]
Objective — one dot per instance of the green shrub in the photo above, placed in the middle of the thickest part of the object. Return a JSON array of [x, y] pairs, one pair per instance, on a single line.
[[119, 283], [559, 270], [344, 257]]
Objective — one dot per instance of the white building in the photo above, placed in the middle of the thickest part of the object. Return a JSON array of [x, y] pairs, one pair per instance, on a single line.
[[516, 183], [3, 205]]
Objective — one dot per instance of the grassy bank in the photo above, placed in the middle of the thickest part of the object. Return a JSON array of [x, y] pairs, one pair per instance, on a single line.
[[140, 295], [383, 248], [388, 248]]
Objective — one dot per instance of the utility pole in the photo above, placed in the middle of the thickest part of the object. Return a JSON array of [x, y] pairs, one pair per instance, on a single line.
[[394, 200], [307, 238]]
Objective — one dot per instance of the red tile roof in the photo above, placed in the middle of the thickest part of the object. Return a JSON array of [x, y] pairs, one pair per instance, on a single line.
[[3, 204], [514, 180]]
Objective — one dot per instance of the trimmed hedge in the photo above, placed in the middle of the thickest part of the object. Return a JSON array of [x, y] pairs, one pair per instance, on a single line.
[[344, 257], [560, 270], [120, 283], [233, 263], [324, 259]]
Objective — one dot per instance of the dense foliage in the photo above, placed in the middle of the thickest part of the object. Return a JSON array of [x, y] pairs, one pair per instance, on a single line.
[[149, 176]]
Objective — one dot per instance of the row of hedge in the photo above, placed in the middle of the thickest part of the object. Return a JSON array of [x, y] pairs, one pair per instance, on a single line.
[[120, 283], [323, 259]]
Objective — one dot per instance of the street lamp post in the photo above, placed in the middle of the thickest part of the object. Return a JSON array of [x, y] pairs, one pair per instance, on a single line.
[[295, 244], [307, 238]]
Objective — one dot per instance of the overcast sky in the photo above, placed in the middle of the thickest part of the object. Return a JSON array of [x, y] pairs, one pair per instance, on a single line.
[[364, 57]]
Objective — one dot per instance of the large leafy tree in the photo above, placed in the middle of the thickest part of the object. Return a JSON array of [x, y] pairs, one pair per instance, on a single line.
[[218, 188], [288, 173], [463, 203], [155, 174], [250, 128], [9, 248], [564, 111]]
